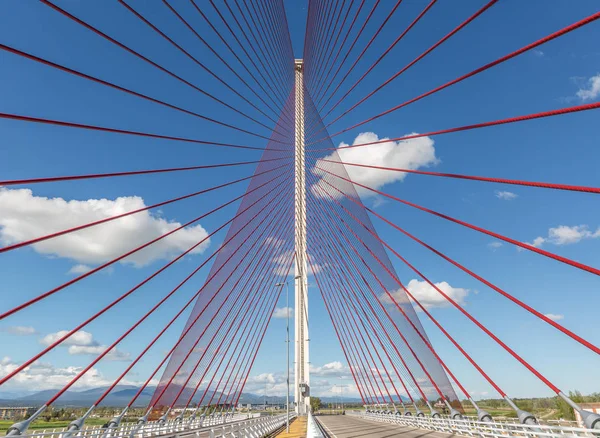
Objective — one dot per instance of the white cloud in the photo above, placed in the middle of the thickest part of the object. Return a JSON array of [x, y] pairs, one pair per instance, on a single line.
[[83, 343], [410, 154], [335, 368], [554, 316], [281, 263], [40, 376], [95, 350], [283, 312], [79, 269], [494, 245], [80, 338], [24, 216], [592, 89], [565, 235], [505, 196], [428, 296], [20, 330], [378, 201], [538, 53]]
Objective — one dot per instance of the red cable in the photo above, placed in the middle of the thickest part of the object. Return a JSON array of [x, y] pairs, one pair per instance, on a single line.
[[267, 81], [356, 329], [209, 47], [425, 341], [250, 363], [346, 57], [320, 79], [238, 296], [243, 64], [121, 257], [205, 307], [537, 43], [335, 58], [360, 377], [383, 55], [399, 332], [128, 132], [481, 230], [551, 113], [121, 298], [353, 343], [545, 185], [342, 280], [131, 92], [251, 305], [421, 56], [352, 368], [128, 213], [264, 60], [324, 44], [266, 325], [86, 369], [476, 322], [128, 173], [112, 40], [492, 286], [357, 287], [270, 47]]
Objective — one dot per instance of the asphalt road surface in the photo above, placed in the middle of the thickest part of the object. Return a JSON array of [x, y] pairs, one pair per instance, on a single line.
[[346, 426]]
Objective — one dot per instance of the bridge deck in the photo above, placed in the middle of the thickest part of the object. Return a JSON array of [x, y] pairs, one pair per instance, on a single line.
[[297, 429], [344, 426]]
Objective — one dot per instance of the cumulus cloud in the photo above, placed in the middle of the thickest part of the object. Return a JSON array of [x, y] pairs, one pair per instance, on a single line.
[[20, 330], [24, 216], [409, 154], [41, 376], [336, 369], [538, 53], [494, 245], [591, 90], [275, 383], [80, 338], [554, 316], [83, 343], [283, 312], [505, 196], [79, 269], [281, 263], [565, 235], [114, 354], [428, 296]]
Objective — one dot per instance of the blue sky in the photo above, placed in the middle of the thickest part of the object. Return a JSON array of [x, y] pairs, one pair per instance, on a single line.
[[561, 149]]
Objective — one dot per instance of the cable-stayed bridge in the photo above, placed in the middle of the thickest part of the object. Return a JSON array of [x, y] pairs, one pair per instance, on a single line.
[[259, 131]]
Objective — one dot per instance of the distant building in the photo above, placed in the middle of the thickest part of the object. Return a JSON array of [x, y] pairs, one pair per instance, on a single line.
[[15, 413]]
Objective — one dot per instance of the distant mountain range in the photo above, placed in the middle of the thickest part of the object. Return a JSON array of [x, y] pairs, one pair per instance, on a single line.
[[120, 396]]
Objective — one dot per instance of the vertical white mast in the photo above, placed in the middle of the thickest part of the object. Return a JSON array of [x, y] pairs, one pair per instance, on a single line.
[[302, 377]]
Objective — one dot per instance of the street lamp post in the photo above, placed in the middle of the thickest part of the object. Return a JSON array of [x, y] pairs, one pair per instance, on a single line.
[[287, 341], [342, 395]]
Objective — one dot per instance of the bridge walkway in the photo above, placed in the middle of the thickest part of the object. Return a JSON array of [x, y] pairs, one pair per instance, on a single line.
[[297, 429]]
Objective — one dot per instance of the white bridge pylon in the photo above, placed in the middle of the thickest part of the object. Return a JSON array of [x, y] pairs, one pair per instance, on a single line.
[[301, 363]]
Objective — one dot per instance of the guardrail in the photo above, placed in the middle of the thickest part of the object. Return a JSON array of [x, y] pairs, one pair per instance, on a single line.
[[255, 428], [313, 429], [148, 430], [469, 427]]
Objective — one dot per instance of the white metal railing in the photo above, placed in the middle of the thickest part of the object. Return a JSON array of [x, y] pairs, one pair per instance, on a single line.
[[148, 430], [254, 428], [312, 428], [472, 427]]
